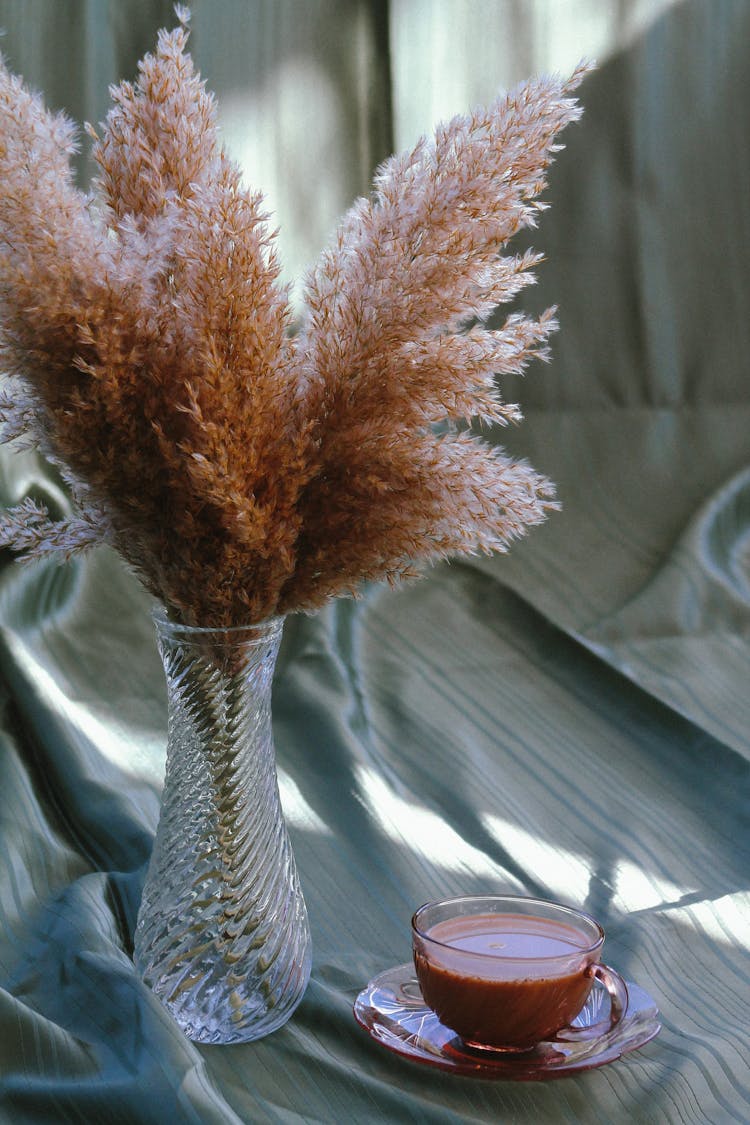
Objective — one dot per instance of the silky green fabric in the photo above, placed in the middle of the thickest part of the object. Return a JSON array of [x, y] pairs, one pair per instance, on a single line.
[[569, 720]]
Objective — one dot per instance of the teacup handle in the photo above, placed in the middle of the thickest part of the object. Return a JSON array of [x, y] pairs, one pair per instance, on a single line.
[[618, 1000]]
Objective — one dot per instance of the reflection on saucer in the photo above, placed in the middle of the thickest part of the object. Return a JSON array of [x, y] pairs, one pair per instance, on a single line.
[[392, 1010]]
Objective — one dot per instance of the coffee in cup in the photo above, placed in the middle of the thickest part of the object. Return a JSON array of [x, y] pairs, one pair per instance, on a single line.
[[506, 972]]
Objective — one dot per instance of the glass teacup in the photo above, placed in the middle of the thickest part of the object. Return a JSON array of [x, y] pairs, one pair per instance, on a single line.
[[506, 972]]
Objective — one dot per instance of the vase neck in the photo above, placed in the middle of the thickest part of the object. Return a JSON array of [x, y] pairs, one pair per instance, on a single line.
[[260, 634], [219, 687]]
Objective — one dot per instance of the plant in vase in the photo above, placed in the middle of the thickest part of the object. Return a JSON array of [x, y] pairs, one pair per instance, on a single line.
[[246, 472]]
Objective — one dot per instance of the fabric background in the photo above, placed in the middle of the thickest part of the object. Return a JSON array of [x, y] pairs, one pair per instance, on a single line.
[[570, 719]]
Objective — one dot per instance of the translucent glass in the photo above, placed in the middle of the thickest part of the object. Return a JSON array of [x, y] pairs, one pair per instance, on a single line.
[[508, 972], [222, 935]]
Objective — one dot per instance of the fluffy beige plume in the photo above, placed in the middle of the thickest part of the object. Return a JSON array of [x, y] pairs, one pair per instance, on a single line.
[[242, 471]]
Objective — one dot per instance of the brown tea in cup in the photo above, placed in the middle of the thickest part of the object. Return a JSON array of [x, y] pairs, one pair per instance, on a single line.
[[507, 973]]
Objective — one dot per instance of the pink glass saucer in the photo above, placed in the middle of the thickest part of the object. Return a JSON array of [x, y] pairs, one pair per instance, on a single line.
[[392, 1010]]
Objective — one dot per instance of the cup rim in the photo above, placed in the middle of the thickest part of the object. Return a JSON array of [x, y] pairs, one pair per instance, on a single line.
[[528, 900]]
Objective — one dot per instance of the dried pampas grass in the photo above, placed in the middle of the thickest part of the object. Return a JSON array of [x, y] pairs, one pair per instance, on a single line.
[[240, 469]]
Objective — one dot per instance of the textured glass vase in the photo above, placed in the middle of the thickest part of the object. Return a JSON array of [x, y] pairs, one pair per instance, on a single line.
[[222, 935]]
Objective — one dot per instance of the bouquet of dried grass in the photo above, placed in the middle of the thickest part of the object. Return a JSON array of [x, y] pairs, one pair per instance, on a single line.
[[241, 469]]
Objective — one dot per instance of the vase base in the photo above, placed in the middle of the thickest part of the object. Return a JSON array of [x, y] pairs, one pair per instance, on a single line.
[[224, 1036], [227, 1026]]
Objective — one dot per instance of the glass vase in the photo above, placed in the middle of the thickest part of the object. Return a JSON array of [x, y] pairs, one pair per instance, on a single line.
[[222, 936]]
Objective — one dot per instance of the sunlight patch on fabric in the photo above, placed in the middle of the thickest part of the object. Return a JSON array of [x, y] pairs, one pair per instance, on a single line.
[[296, 809], [138, 750], [421, 830], [562, 872]]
